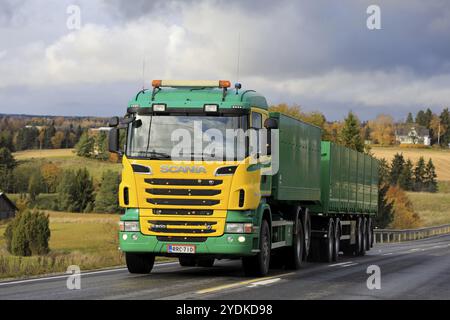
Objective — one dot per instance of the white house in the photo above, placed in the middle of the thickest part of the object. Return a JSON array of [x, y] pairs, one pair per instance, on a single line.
[[412, 134]]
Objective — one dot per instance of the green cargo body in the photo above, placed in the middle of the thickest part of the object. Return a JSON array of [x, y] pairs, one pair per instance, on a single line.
[[349, 181], [298, 176]]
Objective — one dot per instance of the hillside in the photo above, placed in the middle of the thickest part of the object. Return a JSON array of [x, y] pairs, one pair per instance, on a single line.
[[441, 158]]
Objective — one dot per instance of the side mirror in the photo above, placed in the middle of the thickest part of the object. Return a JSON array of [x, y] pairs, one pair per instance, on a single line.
[[113, 140], [113, 122], [271, 123]]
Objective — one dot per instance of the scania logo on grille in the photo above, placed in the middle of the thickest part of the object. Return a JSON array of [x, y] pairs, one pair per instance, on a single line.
[[182, 169]]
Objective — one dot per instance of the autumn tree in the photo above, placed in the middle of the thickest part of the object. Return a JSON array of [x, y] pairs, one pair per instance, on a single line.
[[382, 130], [404, 216], [51, 174], [57, 140]]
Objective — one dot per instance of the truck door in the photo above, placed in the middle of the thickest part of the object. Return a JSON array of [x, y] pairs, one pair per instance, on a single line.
[[258, 116]]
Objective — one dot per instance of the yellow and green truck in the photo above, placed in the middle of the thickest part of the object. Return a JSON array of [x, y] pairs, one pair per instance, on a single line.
[[319, 201]]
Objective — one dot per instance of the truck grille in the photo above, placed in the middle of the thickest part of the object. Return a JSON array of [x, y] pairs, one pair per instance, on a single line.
[[183, 202], [188, 227], [183, 212], [184, 182]]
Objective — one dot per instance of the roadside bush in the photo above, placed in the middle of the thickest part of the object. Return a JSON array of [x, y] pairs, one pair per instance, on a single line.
[[404, 216], [28, 234]]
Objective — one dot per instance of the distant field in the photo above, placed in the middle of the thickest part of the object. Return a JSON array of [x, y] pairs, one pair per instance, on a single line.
[[67, 159], [441, 158], [46, 153]]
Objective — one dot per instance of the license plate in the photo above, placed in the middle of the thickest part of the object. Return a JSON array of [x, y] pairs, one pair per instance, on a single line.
[[180, 248]]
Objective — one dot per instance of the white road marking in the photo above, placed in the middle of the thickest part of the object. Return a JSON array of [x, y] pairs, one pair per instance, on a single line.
[[387, 254], [349, 265], [340, 264], [264, 282], [82, 274]]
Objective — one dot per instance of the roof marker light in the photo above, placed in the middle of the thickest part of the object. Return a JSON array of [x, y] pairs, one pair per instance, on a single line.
[[159, 107], [211, 107]]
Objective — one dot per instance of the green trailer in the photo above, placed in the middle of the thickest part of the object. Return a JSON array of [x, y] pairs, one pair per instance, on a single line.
[[349, 181]]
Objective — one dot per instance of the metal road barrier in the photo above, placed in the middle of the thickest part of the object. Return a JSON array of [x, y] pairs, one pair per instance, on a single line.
[[394, 235]]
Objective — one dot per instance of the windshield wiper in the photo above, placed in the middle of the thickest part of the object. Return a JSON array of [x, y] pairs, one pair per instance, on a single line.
[[158, 155]]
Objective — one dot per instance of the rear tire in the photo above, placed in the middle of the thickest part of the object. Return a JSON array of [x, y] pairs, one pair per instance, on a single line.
[[362, 249], [295, 253], [206, 262], [327, 244], [187, 261], [140, 263], [258, 265], [337, 241], [308, 239], [369, 234]]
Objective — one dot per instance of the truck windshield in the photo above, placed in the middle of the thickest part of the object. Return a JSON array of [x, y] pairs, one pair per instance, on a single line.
[[187, 137]]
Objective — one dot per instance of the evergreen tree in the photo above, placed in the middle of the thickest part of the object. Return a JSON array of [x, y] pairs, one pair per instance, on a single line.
[[409, 118], [430, 182], [397, 165], [351, 133], [421, 118], [7, 165], [75, 191], [35, 185], [101, 142], [406, 180], [106, 200], [445, 121], [85, 147], [419, 175], [385, 214]]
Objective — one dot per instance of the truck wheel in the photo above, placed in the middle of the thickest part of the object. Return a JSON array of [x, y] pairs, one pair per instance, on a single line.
[[307, 238], [187, 261], [258, 265], [337, 241], [139, 262], [359, 236], [327, 244], [362, 248], [295, 253], [206, 262], [369, 234]]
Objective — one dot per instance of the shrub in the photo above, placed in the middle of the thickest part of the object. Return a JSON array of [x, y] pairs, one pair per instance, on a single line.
[[28, 234]]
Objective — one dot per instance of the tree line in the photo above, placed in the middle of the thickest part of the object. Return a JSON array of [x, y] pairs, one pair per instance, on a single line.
[[19, 133]]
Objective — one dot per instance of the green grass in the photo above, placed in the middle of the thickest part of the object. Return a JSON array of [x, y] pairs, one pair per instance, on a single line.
[[433, 208], [87, 240]]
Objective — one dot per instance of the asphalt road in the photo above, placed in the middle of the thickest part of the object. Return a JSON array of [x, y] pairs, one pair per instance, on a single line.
[[411, 270]]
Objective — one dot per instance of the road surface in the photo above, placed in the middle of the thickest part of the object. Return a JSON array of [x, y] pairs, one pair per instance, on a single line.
[[410, 270]]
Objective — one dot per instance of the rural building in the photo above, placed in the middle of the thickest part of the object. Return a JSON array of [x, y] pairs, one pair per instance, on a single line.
[[412, 134], [7, 207]]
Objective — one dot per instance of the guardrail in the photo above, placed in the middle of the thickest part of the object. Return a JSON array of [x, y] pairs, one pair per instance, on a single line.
[[394, 235]]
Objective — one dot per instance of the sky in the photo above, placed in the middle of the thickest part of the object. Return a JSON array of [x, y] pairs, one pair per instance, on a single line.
[[317, 54]]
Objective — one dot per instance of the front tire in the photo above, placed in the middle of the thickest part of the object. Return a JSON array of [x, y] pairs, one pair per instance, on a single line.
[[258, 265], [140, 263]]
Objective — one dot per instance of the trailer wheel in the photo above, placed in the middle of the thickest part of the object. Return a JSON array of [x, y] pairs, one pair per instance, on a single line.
[[307, 237], [295, 253], [327, 244], [139, 262], [187, 261], [206, 262], [258, 265], [337, 241], [362, 248], [359, 236], [369, 234]]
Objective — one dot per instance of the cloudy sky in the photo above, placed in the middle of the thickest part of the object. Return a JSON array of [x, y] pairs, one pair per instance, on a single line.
[[318, 54]]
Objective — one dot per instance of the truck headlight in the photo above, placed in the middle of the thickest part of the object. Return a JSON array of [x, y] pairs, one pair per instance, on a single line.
[[239, 228], [129, 226]]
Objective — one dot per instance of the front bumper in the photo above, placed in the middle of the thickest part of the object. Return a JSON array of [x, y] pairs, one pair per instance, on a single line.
[[226, 244]]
